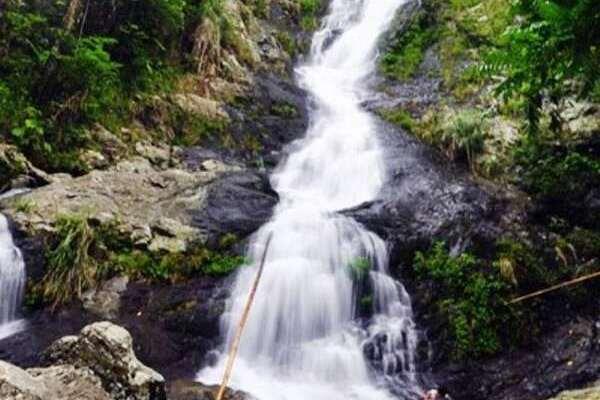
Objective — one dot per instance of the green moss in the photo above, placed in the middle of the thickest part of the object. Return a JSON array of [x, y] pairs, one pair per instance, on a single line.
[[360, 268], [284, 110], [407, 51], [288, 43], [400, 117], [309, 14], [191, 129]]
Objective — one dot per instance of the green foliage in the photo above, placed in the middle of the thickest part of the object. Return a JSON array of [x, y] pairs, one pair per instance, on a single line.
[[521, 265], [399, 117], [71, 267], [470, 298], [360, 268], [465, 134], [222, 265], [558, 176], [288, 43], [407, 51], [170, 266], [584, 242], [554, 41], [57, 80], [51, 84], [81, 255], [284, 110], [310, 10]]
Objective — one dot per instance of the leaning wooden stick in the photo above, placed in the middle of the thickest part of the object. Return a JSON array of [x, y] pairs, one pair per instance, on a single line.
[[240, 328], [556, 287]]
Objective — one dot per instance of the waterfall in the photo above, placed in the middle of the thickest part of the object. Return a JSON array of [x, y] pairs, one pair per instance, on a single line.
[[12, 282], [328, 322]]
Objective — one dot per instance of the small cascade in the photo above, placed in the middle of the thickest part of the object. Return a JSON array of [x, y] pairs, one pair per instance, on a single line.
[[12, 282]]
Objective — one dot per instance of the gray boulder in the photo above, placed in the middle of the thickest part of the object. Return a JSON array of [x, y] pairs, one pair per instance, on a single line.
[[107, 350], [64, 382]]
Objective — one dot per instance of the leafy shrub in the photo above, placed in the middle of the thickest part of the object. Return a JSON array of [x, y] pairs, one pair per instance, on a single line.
[[407, 51], [522, 266], [81, 255], [559, 177], [465, 135], [553, 41], [309, 10], [52, 84], [470, 297]]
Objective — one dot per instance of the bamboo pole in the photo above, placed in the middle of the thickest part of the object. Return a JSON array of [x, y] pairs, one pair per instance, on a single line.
[[238, 335], [71, 14], [556, 287]]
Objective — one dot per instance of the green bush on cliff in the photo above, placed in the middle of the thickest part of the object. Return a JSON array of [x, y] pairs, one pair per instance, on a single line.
[[470, 297], [558, 176], [309, 10], [407, 51], [61, 73], [552, 42]]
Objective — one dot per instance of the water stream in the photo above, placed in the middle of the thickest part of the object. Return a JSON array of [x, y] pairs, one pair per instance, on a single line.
[[12, 282], [328, 322]]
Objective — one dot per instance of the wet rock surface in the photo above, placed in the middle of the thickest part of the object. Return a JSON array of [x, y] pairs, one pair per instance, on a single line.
[[173, 326], [427, 199], [567, 357]]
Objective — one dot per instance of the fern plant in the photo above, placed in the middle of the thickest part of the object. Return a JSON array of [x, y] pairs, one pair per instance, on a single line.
[[551, 43]]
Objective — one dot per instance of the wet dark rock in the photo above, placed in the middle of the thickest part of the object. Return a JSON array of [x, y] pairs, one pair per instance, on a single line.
[[237, 204], [274, 112], [427, 199], [173, 326], [567, 357]]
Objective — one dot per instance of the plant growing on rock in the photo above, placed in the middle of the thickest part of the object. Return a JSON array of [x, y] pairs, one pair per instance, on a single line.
[[551, 43], [465, 135], [71, 267], [471, 299]]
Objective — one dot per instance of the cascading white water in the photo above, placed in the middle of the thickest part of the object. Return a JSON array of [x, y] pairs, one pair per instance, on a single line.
[[308, 334], [12, 282]]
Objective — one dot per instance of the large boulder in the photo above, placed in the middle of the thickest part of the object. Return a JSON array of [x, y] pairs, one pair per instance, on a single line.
[[157, 207], [107, 350], [16, 383], [99, 364]]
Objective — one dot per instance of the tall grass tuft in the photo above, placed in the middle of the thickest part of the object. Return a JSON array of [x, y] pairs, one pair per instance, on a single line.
[[71, 269]]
